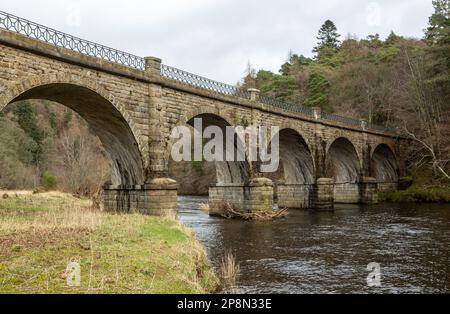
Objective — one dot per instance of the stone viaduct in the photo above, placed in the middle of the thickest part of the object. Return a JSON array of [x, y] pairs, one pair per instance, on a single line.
[[133, 104]]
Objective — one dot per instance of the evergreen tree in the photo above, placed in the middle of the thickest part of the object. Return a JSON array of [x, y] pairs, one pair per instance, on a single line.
[[392, 39], [438, 31], [437, 56], [328, 40], [318, 90], [26, 118], [373, 41], [67, 118], [52, 120]]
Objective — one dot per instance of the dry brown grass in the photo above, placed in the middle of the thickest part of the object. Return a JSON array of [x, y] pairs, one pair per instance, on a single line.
[[55, 211], [229, 271], [40, 234], [205, 207]]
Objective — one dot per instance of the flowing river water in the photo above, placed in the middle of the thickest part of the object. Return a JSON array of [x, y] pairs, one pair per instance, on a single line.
[[328, 252]]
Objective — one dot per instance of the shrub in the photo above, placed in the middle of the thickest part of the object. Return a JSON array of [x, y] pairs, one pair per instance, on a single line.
[[49, 181], [416, 193]]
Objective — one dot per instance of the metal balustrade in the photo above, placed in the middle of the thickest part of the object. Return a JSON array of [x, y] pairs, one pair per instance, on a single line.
[[34, 30], [202, 82], [341, 119], [381, 128], [285, 105]]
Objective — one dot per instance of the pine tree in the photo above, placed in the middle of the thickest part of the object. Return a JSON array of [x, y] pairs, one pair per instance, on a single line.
[[392, 39], [328, 40], [437, 57], [26, 118], [318, 90], [438, 31]]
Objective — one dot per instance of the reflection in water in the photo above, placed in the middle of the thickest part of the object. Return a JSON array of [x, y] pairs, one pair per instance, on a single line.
[[328, 252]]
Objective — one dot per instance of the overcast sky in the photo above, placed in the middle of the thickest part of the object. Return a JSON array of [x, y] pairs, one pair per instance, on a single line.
[[217, 38]]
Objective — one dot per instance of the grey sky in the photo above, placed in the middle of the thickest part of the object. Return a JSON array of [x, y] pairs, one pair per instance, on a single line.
[[217, 38]]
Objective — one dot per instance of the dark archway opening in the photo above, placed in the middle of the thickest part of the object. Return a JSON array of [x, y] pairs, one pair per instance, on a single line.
[[296, 174], [384, 168], [343, 166], [105, 121], [196, 177]]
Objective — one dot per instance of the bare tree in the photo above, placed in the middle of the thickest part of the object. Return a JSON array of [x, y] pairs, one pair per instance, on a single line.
[[429, 128], [84, 167]]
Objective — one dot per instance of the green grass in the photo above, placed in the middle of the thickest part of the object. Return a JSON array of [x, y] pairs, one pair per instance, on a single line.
[[117, 253], [427, 188], [417, 193]]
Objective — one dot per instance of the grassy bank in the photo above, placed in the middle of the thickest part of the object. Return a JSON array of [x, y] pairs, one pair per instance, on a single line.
[[418, 193], [41, 234]]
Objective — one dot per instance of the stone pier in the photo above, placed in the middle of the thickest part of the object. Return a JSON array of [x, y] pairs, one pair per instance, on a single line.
[[368, 191], [323, 194], [159, 198], [256, 196]]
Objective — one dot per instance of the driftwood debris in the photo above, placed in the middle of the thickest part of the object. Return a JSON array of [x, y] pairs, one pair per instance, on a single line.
[[230, 213]]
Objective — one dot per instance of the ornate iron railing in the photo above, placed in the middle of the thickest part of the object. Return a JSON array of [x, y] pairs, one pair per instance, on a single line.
[[34, 30], [60, 39], [382, 128], [285, 105], [202, 82], [341, 119]]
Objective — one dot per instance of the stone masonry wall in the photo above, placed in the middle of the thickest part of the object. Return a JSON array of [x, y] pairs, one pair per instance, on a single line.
[[295, 196]]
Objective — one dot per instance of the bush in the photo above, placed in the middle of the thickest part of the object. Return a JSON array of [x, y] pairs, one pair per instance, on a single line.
[[49, 181], [416, 193]]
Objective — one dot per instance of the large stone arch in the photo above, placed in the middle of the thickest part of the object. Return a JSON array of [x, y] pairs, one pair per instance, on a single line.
[[343, 162], [351, 138], [344, 166], [296, 158], [384, 167], [104, 113], [232, 173], [299, 175]]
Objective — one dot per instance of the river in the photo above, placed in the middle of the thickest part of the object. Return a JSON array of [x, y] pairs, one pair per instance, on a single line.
[[329, 252]]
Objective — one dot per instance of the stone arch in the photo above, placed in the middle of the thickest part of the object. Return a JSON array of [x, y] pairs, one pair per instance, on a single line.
[[343, 163], [106, 116], [296, 158], [300, 128], [227, 173], [297, 170], [384, 167]]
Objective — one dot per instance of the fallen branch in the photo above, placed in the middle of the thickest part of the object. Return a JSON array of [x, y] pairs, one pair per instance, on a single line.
[[229, 212]]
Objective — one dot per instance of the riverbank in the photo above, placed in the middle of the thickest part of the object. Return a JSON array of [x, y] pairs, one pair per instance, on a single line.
[[40, 234], [418, 194]]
